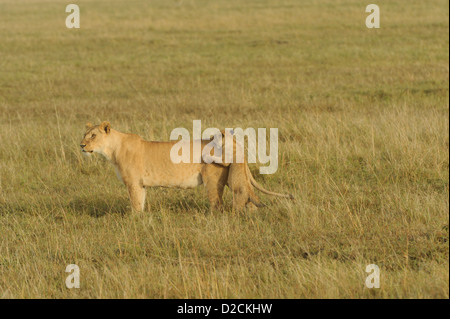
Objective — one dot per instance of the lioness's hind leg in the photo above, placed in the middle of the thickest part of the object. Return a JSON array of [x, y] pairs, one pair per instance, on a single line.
[[215, 178], [240, 198], [137, 197], [243, 194], [251, 207]]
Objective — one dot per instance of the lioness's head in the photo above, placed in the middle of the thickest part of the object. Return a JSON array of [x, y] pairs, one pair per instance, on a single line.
[[96, 138]]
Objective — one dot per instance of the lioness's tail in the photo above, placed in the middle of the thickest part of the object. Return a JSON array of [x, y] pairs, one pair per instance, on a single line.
[[262, 189]]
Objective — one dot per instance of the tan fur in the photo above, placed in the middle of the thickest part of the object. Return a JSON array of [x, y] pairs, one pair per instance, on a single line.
[[141, 164]]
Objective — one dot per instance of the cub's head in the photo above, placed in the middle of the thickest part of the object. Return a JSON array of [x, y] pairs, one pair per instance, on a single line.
[[96, 138]]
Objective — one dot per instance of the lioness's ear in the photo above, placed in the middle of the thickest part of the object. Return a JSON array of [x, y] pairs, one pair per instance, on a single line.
[[106, 127], [88, 125]]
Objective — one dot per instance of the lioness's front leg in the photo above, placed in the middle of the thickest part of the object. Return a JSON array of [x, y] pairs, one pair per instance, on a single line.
[[137, 196]]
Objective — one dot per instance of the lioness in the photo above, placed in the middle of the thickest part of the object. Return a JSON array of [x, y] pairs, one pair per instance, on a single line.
[[139, 163]]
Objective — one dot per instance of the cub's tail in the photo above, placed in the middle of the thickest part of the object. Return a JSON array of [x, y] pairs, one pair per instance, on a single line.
[[262, 189]]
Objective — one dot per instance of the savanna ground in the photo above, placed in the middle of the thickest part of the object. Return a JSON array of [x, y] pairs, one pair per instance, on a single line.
[[363, 118]]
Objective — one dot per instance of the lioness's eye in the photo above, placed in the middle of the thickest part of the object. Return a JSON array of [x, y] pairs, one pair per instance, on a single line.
[[93, 136]]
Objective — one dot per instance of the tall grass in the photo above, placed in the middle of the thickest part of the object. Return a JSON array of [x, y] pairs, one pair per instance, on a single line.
[[363, 118]]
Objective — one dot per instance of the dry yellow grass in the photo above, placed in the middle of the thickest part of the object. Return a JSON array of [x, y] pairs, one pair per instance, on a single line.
[[363, 119]]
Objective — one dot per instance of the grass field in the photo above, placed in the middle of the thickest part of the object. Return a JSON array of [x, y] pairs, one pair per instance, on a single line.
[[363, 119]]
